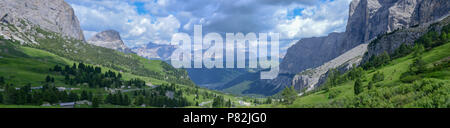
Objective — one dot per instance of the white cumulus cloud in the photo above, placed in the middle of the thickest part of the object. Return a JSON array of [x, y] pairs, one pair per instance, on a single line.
[[135, 28], [157, 20]]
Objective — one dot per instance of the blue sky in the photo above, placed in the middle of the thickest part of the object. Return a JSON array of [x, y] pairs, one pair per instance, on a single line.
[[143, 21], [140, 7]]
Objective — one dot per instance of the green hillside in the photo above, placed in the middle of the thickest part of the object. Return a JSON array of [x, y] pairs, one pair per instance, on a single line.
[[32, 65], [23, 65], [83, 52]]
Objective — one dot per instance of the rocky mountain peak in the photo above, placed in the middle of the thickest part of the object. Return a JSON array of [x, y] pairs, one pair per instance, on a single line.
[[109, 39], [370, 18], [51, 15], [108, 35]]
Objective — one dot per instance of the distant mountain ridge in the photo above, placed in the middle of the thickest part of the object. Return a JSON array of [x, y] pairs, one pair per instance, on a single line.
[[155, 51]]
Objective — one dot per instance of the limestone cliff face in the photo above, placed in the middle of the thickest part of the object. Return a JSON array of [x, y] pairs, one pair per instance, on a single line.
[[51, 15], [370, 18], [310, 52], [109, 39], [367, 19], [390, 42], [311, 78]]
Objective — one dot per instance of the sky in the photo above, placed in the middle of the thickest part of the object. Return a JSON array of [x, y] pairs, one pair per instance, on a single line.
[[142, 21]]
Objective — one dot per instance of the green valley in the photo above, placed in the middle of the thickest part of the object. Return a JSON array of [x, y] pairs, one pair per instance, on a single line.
[[369, 54]]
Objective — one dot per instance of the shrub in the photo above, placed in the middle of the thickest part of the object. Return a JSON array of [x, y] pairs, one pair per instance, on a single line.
[[377, 77], [409, 78], [289, 94], [333, 93], [370, 86]]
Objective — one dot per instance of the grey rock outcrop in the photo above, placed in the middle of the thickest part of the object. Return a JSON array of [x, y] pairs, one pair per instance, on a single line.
[[51, 15], [370, 18], [310, 52], [390, 42], [367, 19], [311, 78], [109, 39]]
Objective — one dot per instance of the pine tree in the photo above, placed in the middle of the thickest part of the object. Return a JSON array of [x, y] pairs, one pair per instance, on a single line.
[[2, 81], [84, 95], [355, 73], [377, 77], [48, 79], [9, 94], [229, 103], [126, 100], [96, 102], [218, 102], [358, 86], [109, 99], [418, 66], [370, 86], [333, 77], [57, 68], [418, 50], [74, 67], [385, 58], [67, 69], [90, 96], [98, 70], [66, 78], [73, 97], [443, 36], [81, 66], [289, 94], [139, 100], [269, 101], [1, 97]]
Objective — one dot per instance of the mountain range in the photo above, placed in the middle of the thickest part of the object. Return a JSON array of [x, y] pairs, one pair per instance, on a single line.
[[307, 62], [155, 51], [394, 53], [52, 26], [367, 20], [42, 48]]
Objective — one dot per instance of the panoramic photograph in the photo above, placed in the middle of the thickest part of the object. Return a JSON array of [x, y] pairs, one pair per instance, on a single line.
[[224, 54]]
